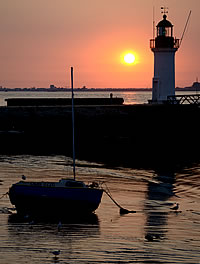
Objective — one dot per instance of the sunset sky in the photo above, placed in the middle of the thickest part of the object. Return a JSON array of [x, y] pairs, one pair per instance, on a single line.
[[42, 39]]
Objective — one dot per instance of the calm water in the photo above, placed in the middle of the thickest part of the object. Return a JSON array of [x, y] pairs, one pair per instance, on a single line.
[[129, 97], [109, 237]]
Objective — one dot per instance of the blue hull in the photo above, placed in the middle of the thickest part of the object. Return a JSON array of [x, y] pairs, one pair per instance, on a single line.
[[54, 200]]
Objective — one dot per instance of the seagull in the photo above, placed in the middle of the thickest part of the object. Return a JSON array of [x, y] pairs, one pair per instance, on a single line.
[[55, 253], [23, 177], [175, 207]]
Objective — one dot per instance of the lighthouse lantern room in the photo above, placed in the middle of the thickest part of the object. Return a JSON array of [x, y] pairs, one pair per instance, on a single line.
[[164, 46]]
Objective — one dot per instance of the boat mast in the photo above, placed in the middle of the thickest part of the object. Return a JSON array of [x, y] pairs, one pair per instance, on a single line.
[[72, 88]]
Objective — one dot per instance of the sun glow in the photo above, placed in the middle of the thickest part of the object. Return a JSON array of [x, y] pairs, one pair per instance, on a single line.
[[129, 58]]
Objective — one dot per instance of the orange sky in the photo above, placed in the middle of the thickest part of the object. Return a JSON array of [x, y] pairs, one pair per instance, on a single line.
[[42, 39]]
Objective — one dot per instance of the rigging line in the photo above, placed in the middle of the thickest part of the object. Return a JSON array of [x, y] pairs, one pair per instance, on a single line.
[[185, 27], [153, 22]]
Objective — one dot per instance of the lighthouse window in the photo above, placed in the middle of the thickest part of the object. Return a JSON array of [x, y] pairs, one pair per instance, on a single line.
[[161, 31], [164, 31]]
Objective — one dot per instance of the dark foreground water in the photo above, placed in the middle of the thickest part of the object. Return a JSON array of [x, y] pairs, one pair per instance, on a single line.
[[107, 237]]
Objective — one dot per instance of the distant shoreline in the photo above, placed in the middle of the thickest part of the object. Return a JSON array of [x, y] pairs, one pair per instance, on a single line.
[[75, 89], [55, 89]]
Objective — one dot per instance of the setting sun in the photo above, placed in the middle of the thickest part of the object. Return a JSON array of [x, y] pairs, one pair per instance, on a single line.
[[129, 58]]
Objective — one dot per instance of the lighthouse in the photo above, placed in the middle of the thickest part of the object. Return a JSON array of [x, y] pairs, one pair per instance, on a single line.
[[164, 47]]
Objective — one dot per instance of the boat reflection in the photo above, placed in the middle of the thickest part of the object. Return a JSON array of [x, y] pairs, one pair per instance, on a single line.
[[27, 229], [69, 219]]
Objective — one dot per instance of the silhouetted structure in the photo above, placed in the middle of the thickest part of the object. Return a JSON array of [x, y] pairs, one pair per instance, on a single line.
[[164, 47]]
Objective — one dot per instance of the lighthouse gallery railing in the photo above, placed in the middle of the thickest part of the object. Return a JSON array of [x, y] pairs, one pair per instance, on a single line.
[[176, 43]]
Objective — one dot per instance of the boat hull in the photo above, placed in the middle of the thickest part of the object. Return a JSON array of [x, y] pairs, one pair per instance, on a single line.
[[65, 201]]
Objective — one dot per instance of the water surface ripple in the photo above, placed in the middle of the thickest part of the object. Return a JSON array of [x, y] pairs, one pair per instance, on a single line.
[[154, 234]]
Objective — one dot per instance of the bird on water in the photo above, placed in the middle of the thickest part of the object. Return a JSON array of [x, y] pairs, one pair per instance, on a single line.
[[175, 207], [55, 253]]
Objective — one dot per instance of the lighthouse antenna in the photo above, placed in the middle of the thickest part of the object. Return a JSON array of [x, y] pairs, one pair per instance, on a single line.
[[185, 27], [153, 22]]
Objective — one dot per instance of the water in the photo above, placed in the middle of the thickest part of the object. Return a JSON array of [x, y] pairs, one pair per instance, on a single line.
[[108, 237], [130, 97]]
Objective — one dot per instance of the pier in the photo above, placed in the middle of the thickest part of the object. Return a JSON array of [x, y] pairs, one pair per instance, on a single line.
[[63, 101], [107, 133]]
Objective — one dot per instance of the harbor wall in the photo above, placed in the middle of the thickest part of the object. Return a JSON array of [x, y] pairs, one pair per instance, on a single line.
[[108, 133]]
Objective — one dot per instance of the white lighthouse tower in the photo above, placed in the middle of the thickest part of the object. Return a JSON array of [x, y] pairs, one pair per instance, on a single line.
[[164, 46]]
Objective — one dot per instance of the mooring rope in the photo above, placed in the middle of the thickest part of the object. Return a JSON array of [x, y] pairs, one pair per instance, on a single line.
[[121, 209], [4, 195]]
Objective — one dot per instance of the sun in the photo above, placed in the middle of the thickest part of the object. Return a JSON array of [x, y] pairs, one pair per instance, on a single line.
[[129, 58]]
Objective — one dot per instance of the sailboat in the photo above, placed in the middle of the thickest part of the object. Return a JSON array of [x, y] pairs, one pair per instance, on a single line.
[[63, 198]]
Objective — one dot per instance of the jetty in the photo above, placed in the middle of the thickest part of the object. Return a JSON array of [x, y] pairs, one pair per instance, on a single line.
[[131, 134], [63, 101]]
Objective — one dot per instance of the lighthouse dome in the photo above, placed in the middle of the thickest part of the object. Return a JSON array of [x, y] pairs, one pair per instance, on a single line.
[[164, 23], [164, 35]]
